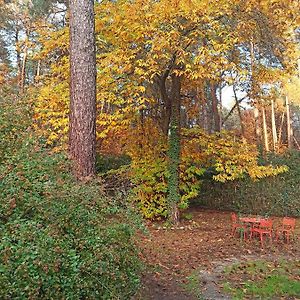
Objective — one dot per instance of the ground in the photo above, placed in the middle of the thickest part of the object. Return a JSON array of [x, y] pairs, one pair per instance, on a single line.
[[184, 262]]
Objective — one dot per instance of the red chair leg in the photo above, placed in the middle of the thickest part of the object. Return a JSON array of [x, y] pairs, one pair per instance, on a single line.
[[261, 239]]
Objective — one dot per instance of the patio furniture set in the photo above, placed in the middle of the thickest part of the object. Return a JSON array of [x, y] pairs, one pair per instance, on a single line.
[[250, 227]]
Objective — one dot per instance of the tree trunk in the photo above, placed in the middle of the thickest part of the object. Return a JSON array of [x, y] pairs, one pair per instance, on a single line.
[[203, 105], [174, 151], [166, 111], [280, 131], [239, 112], [254, 96], [18, 55], [23, 70], [82, 131], [257, 126], [288, 124], [265, 129], [215, 110], [38, 71], [274, 131]]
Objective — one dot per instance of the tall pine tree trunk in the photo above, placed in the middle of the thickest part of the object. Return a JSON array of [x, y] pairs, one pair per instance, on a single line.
[[82, 131]]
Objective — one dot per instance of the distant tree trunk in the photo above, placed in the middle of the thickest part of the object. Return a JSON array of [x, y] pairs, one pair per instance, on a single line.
[[23, 70], [38, 71], [203, 104], [18, 56], [265, 130], [215, 109], [239, 112], [254, 96], [280, 131], [221, 107], [288, 124], [257, 126], [174, 151], [274, 131], [82, 133]]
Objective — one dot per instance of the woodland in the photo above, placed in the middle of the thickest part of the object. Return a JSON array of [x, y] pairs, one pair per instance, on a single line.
[[125, 119]]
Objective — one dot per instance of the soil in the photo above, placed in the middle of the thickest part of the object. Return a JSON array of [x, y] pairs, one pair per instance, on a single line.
[[199, 247]]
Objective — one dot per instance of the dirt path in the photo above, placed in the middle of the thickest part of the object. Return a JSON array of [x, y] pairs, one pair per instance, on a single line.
[[177, 256]]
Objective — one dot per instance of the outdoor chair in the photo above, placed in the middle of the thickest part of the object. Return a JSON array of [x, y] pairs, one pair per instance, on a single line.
[[236, 225], [287, 229], [264, 228]]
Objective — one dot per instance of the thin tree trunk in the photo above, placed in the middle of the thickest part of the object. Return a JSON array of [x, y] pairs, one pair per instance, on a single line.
[[274, 131], [254, 96], [280, 130], [38, 71], [296, 142], [257, 126], [23, 70], [221, 107], [239, 112], [204, 118], [215, 110], [18, 55], [265, 129], [288, 124], [82, 133]]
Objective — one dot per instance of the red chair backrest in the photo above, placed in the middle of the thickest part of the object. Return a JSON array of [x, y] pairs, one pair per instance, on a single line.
[[266, 223], [289, 223], [234, 217]]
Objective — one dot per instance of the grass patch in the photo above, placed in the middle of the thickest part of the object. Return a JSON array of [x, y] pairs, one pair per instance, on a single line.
[[263, 279], [193, 285]]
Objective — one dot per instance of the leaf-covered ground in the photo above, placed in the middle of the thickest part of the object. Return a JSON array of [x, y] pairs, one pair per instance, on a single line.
[[190, 262]]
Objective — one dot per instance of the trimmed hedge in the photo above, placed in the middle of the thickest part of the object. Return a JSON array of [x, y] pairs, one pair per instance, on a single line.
[[278, 195]]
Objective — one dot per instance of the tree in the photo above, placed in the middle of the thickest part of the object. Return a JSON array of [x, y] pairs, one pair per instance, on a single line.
[[82, 130]]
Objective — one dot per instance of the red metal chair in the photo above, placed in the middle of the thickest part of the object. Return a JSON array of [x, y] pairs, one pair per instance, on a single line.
[[264, 228], [287, 229], [236, 225]]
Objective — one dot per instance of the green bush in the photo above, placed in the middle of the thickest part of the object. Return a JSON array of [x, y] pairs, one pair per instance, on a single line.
[[106, 162], [277, 195], [61, 239]]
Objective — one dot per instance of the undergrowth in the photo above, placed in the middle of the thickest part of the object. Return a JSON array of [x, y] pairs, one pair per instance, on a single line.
[[59, 239]]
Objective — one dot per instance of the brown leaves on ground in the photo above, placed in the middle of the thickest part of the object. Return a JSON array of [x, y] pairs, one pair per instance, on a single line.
[[173, 254]]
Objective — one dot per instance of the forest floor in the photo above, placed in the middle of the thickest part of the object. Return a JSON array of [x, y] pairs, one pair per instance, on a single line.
[[186, 262]]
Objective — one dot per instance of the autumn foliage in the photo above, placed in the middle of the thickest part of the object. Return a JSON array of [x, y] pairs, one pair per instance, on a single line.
[[142, 47]]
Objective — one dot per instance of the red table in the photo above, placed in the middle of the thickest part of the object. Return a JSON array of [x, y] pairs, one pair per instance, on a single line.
[[252, 221]]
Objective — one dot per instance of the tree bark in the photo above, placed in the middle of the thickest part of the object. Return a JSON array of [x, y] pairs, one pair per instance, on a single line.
[[288, 124], [239, 112], [23, 69], [82, 131], [257, 126], [215, 110], [280, 131], [274, 131], [174, 151], [265, 130]]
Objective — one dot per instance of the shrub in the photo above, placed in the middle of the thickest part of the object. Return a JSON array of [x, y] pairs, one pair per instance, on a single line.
[[61, 239]]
